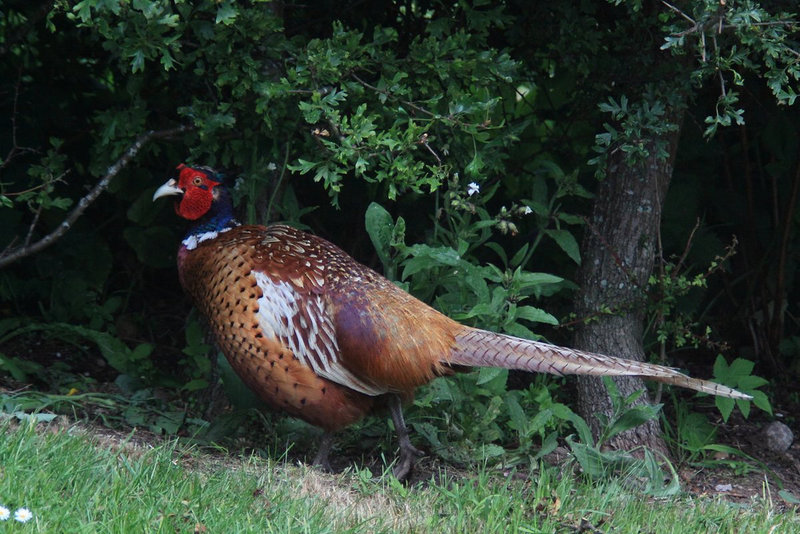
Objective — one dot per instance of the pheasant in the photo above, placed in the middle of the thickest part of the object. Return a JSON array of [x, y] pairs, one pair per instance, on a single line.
[[328, 340]]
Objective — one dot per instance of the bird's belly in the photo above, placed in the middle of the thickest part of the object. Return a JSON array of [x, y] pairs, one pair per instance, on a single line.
[[284, 382]]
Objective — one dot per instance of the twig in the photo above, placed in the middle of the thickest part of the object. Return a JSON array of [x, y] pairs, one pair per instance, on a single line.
[[15, 148], [393, 97], [432, 115], [424, 142], [32, 227], [26, 249], [700, 26], [278, 183], [679, 12], [686, 250], [719, 71], [704, 55]]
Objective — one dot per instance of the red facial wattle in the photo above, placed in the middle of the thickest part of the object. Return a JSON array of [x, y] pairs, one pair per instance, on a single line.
[[198, 193]]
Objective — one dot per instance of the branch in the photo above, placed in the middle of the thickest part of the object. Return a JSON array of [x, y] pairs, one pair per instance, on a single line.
[[393, 97], [12, 255], [679, 12], [451, 117]]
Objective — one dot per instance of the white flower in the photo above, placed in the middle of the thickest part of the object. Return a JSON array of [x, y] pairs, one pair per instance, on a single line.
[[473, 188], [528, 210], [4, 513], [23, 515]]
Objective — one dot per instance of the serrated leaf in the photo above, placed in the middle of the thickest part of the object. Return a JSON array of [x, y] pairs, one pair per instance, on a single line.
[[725, 407], [741, 367], [751, 382], [492, 451], [744, 407], [720, 367], [226, 13], [761, 400], [475, 166]]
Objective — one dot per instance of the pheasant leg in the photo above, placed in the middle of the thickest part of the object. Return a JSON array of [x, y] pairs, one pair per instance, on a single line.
[[321, 459], [408, 453]]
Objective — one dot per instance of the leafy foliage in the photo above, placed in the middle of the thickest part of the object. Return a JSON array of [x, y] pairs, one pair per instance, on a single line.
[[464, 132], [739, 375]]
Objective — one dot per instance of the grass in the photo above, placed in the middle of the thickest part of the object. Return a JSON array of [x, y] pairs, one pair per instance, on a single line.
[[77, 481]]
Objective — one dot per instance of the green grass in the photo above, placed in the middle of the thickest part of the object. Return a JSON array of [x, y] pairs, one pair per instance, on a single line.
[[76, 481]]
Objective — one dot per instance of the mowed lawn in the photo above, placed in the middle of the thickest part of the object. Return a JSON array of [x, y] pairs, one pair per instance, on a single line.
[[75, 480]]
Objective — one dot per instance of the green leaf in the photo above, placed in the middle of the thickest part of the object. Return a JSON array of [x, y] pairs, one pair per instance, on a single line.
[[741, 367], [487, 374], [474, 168], [536, 315], [520, 255], [195, 385], [744, 407], [541, 419], [563, 412], [761, 400], [633, 417], [425, 257], [380, 228], [725, 406], [720, 367], [788, 497], [567, 242], [226, 13], [519, 419], [595, 463], [537, 279], [750, 382], [492, 451]]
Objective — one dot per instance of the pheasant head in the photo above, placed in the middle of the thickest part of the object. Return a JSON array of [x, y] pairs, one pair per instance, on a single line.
[[201, 197]]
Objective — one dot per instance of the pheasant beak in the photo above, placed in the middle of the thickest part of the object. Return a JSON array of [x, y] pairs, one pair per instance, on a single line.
[[169, 188]]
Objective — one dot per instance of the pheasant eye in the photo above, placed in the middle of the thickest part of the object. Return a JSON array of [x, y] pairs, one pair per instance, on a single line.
[[197, 180]]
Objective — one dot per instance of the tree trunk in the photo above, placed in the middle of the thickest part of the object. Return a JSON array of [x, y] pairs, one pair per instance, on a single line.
[[618, 253]]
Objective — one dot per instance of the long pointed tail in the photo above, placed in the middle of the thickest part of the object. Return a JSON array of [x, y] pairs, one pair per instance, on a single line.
[[480, 348]]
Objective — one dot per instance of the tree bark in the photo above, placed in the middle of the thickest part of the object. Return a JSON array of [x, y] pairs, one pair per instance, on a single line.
[[618, 254]]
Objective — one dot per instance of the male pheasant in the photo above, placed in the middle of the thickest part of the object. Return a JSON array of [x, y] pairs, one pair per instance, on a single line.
[[326, 339]]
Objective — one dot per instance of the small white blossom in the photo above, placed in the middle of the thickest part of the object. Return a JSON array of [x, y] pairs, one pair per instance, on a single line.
[[23, 515], [271, 166], [473, 188], [528, 210], [4, 513]]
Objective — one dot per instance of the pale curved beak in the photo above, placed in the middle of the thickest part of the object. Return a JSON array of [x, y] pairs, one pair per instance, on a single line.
[[169, 188]]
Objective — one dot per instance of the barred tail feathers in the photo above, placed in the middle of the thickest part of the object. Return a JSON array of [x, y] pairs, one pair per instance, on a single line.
[[480, 348]]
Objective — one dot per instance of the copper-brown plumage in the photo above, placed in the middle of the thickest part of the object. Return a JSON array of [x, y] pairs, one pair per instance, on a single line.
[[326, 339]]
